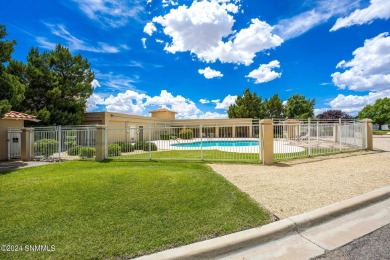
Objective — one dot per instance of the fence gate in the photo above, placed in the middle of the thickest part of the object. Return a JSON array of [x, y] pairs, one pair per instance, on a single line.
[[14, 143]]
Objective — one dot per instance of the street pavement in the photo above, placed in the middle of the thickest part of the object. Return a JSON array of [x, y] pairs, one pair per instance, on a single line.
[[374, 246]]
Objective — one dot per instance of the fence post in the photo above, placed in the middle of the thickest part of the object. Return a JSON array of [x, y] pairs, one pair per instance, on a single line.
[[309, 135], [201, 140], [27, 147], [369, 133], [150, 141], [59, 141], [100, 143], [340, 136], [267, 141]]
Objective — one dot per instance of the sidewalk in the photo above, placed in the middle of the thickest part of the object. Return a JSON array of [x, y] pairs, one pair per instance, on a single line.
[[300, 237]]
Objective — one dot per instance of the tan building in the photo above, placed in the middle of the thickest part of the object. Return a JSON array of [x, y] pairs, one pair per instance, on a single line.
[[162, 120], [10, 130]]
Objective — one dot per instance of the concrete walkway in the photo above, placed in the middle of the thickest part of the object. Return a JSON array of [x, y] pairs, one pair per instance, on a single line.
[[300, 237]]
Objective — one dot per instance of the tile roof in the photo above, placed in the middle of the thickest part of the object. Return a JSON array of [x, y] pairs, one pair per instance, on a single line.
[[163, 109], [18, 115]]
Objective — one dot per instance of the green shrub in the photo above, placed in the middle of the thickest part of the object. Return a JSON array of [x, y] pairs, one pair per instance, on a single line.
[[186, 133], [125, 147], [46, 147], [166, 136], [114, 150], [142, 145], [87, 152], [75, 150]]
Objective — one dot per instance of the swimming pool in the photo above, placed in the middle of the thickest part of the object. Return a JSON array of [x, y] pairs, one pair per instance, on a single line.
[[231, 143]]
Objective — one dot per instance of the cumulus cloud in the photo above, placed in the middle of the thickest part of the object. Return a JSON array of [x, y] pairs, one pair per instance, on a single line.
[[212, 115], [354, 103], [209, 73], [93, 101], [184, 106], [369, 70], [378, 9], [227, 101], [205, 29], [204, 101], [149, 28], [130, 102], [265, 73], [143, 40], [95, 83]]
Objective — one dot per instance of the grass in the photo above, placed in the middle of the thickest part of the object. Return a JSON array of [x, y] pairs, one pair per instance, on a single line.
[[207, 155], [91, 210], [381, 132]]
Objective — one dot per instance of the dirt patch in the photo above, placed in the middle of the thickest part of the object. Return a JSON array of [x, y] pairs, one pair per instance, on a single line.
[[298, 186]]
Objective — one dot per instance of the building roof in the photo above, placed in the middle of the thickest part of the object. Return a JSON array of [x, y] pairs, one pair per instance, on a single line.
[[18, 115], [163, 109]]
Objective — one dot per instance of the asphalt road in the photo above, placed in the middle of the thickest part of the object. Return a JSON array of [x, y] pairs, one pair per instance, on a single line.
[[373, 246]]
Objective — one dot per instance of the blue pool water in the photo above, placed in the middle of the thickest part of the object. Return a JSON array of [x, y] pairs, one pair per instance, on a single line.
[[218, 143]]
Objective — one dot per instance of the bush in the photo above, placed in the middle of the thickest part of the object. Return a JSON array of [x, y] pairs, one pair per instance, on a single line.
[[87, 152], [186, 133], [46, 147], [74, 150], [142, 145], [165, 136], [114, 150], [125, 147]]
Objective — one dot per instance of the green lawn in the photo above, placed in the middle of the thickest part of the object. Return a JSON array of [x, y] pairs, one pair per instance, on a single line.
[[381, 132], [207, 155], [118, 209]]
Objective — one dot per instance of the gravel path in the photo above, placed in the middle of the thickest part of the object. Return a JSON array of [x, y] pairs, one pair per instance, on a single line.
[[291, 188]]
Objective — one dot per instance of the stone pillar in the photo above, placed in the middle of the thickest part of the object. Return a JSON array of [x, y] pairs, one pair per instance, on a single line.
[[101, 143], [267, 142], [27, 144], [369, 133]]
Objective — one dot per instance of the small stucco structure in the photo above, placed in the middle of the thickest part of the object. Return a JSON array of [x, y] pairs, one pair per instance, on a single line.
[[14, 120]]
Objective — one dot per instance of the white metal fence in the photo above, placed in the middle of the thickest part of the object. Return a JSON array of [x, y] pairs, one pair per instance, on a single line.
[[63, 142], [291, 139], [302, 138]]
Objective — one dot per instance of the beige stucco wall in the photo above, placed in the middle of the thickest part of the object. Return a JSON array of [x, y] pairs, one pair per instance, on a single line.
[[216, 127], [4, 124], [164, 115]]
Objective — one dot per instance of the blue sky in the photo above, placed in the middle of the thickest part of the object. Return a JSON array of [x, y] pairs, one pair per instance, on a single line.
[[195, 57]]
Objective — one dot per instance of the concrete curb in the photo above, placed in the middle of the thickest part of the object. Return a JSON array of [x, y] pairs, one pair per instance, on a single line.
[[256, 236]]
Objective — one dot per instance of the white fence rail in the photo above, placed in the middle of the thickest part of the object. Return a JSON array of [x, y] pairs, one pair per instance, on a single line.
[[291, 139]]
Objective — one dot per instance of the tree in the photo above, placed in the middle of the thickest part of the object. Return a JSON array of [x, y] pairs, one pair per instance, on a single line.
[[273, 107], [247, 106], [58, 85], [334, 114], [300, 107], [379, 112], [11, 89]]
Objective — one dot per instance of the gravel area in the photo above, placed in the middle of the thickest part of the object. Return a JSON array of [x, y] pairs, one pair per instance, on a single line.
[[294, 187]]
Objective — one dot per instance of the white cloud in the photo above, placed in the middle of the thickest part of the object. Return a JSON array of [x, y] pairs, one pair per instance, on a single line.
[[73, 43], [227, 101], [369, 70], [204, 101], [184, 106], [149, 28], [378, 9], [130, 102], [265, 73], [212, 115], [111, 13], [95, 83], [303, 22], [209, 73], [353, 103], [115, 81], [143, 40], [202, 28], [93, 101]]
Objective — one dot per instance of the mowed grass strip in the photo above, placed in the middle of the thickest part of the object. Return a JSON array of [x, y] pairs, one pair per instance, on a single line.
[[119, 209]]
